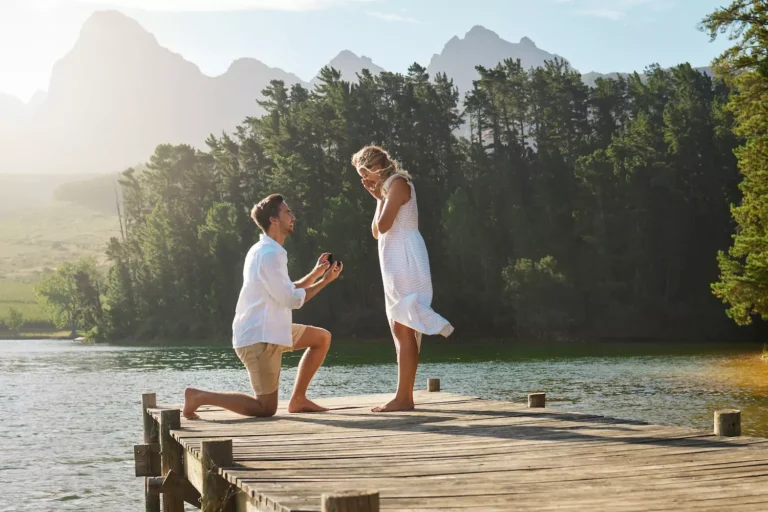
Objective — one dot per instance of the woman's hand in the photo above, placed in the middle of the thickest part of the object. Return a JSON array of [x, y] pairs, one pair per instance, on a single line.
[[373, 188]]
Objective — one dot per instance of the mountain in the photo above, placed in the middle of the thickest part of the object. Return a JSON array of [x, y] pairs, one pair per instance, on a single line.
[[483, 47], [117, 94], [37, 99], [350, 65], [11, 108]]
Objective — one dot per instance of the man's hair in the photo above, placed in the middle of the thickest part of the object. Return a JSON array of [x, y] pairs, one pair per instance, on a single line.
[[267, 208]]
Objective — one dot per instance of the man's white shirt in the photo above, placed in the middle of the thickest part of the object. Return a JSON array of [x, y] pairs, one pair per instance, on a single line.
[[267, 298]]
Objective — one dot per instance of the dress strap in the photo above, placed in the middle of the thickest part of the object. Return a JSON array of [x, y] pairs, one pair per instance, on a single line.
[[392, 178]]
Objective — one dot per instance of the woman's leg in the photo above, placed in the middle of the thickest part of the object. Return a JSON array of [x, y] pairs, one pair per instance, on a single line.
[[407, 362]]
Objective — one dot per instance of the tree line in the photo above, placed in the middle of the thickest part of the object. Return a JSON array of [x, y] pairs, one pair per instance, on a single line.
[[551, 209]]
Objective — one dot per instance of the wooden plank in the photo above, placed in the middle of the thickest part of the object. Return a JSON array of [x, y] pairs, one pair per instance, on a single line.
[[457, 452]]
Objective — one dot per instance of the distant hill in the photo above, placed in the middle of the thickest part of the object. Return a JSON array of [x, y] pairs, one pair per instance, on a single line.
[[11, 108], [350, 65], [118, 94], [29, 192], [483, 47]]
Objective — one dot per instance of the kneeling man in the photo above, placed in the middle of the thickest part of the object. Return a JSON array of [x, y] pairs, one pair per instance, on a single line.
[[263, 328]]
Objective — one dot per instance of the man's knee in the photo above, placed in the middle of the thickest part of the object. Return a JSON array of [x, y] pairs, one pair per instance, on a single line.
[[325, 339], [264, 406], [261, 412], [268, 411]]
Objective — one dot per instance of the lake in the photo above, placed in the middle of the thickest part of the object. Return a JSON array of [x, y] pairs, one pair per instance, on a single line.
[[70, 413]]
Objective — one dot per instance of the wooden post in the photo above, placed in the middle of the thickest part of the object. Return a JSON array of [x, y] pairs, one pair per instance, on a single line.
[[151, 436], [172, 457], [537, 400], [157, 485], [728, 423], [217, 492], [352, 501], [433, 385], [149, 401]]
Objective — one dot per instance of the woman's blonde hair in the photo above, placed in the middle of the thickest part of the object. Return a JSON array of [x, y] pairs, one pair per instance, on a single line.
[[373, 156]]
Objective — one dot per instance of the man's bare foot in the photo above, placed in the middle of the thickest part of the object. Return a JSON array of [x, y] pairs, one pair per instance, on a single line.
[[297, 405], [191, 404], [395, 405]]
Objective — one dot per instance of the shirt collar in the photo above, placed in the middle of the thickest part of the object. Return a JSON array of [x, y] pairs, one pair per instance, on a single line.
[[271, 241]]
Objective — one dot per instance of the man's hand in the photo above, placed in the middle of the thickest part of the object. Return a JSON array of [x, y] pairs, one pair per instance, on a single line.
[[322, 265], [334, 272], [328, 278]]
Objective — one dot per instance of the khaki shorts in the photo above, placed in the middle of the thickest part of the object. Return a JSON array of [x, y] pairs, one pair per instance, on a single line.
[[264, 361]]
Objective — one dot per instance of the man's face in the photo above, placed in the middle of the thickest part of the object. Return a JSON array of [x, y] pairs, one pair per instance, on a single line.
[[285, 219]]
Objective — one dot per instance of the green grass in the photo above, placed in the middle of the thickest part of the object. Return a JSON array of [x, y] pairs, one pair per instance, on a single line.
[[34, 242], [38, 233], [20, 295]]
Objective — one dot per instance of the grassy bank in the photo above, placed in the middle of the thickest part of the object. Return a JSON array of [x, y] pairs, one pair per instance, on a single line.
[[21, 295], [36, 241], [36, 334]]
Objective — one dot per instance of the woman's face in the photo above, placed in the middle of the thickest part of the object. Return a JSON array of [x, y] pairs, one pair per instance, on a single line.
[[369, 175]]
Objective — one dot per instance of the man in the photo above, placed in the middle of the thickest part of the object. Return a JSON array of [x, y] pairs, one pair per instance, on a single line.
[[262, 328]]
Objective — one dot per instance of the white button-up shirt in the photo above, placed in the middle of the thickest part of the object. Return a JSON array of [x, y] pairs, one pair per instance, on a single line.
[[263, 312]]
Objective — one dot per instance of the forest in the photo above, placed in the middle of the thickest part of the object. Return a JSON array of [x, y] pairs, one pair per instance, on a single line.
[[551, 210]]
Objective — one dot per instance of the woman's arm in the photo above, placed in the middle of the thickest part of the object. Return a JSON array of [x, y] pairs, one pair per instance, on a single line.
[[399, 194], [374, 227]]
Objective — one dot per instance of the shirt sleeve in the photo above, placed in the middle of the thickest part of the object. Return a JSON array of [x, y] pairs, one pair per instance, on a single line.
[[273, 272]]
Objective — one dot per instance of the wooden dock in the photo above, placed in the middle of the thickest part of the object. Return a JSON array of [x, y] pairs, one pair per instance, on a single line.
[[452, 452]]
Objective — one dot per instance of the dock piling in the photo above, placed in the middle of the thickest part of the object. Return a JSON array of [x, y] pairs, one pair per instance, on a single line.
[[217, 492], [537, 400], [351, 501], [728, 423], [171, 456], [151, 460]]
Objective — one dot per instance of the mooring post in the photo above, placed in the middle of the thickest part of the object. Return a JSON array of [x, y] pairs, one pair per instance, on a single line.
[[352, 501], [728, 423], [218, 493], [433, 385], [149, 401], [151, 438], [537, 400], [172, 457]]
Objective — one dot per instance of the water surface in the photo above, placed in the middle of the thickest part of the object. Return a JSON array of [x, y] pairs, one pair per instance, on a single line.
[[70, 413]]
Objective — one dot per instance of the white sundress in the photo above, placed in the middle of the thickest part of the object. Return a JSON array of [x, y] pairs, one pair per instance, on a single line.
[[405, 271]]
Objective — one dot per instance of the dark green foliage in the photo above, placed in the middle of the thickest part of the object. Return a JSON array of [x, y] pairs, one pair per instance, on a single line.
[[743, 280], [625, 185]]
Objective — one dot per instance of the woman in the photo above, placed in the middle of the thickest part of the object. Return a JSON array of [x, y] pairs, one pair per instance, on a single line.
[[404, 266]]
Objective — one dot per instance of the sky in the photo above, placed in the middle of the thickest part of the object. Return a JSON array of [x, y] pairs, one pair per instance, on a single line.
[[301, 36]]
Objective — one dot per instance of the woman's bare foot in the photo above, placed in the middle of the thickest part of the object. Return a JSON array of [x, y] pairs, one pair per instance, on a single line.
[[304, 404], [191, 403], [396, 404]]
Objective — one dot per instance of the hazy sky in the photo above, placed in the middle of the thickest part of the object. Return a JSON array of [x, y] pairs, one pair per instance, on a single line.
[[303, 35]]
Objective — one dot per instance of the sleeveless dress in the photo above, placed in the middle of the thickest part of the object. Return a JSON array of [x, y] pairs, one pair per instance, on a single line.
[[405, 271]]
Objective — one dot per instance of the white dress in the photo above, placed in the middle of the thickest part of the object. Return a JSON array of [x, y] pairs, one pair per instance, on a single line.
[[405, 271]]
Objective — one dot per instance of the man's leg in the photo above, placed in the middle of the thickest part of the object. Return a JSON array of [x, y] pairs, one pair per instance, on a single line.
[[240, 403], [263, 361], [316, 341]]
